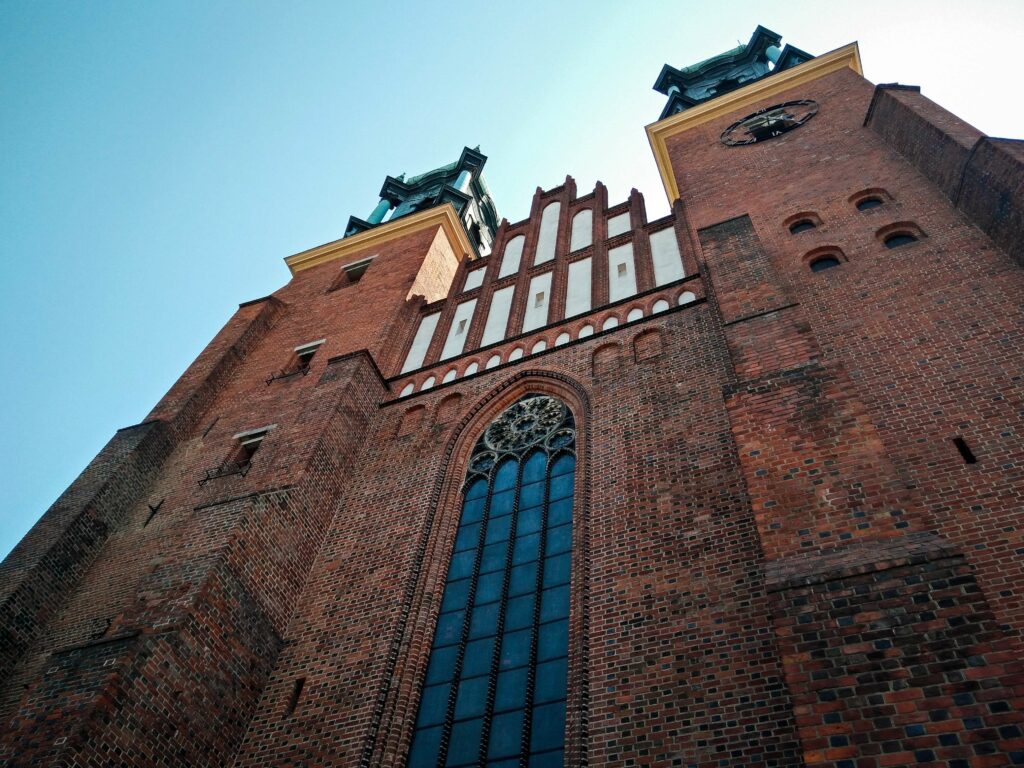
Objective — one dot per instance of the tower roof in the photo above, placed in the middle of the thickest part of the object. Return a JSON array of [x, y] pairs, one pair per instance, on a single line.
[[693, 84]]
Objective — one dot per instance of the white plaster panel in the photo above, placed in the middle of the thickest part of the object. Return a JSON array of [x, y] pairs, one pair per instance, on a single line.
[[668, 264], [537, 301], [420, 342], [621, 273], [577, 294], [457, 334], [497, 316], [618, 224], [548, 233], [582, 230], [474, 279], [512, 256]]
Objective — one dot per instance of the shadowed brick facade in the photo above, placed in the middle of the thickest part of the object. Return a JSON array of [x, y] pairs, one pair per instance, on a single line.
[[780, 555]]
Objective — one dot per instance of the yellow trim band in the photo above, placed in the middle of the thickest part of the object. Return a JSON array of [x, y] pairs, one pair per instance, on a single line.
[[443, 216], [658, 133]]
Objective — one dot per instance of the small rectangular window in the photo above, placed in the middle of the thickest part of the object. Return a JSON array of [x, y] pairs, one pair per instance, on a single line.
[[304, 353], [357, 269], [538, 300], [622, 270], [351, 273], [246, 445], [461, 328]]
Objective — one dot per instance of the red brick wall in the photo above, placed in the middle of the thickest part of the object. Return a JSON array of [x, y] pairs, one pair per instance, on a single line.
[[780, 556]]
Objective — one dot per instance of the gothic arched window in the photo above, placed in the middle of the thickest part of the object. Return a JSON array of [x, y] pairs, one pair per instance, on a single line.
[[495, 688]]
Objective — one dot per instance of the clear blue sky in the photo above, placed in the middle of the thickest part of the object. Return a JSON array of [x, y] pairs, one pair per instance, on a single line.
[[159, 159]]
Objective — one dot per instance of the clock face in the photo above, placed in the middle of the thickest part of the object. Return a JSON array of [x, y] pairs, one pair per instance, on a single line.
[[769, 122]]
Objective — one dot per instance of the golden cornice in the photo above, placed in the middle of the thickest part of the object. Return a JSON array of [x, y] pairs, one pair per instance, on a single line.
[[443, 216], [847, 57]]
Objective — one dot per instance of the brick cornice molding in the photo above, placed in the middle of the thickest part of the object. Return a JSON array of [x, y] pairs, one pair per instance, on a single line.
[[442, 216]]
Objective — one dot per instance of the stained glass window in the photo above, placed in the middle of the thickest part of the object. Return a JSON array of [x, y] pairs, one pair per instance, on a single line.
[[495, 688]]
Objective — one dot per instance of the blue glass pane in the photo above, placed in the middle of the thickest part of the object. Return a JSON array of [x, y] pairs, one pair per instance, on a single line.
[[515, 649], [425, 745], [455, 595], [465, 742], [433, 705], [533, 469], [554, 759], [477, 660], [519, 613], [498, 529], [560, 512], [511, 691], [472, 511], [553, 641], [449, 628], [462, 565], [505, 477], [513, 763], [548, 729], [472, 698], [501, 503], [442, 664], [554, 603], [523, 579], [468, 537], [557, 569], [488, 588], [477, 489], [529, 521], [563, 465], [561, 486], [551, 681], [506, 735], [485, 621], [527, 549], [494, 557], [531, 495], [559, 540]]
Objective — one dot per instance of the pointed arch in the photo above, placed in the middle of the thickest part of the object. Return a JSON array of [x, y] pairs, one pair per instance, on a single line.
[[391, 728]]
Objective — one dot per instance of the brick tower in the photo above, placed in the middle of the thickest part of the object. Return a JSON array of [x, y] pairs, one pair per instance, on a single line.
[[738, 486]]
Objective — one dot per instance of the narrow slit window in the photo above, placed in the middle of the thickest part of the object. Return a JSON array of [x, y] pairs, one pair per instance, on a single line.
[[965, 451], [461, 327], [293, 700]]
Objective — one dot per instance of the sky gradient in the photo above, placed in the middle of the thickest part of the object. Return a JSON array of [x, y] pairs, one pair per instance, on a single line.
[[158, 160]]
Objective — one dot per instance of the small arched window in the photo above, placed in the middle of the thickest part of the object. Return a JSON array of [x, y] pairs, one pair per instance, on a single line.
[[897, 239], [825, 262], [868, 203], [803, 225], [496, 682]]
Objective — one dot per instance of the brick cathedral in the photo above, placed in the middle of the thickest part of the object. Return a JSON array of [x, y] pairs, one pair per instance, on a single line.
[[740, 486]]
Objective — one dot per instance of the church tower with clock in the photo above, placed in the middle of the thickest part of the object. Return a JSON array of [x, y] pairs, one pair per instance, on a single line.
[[737, 486]]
